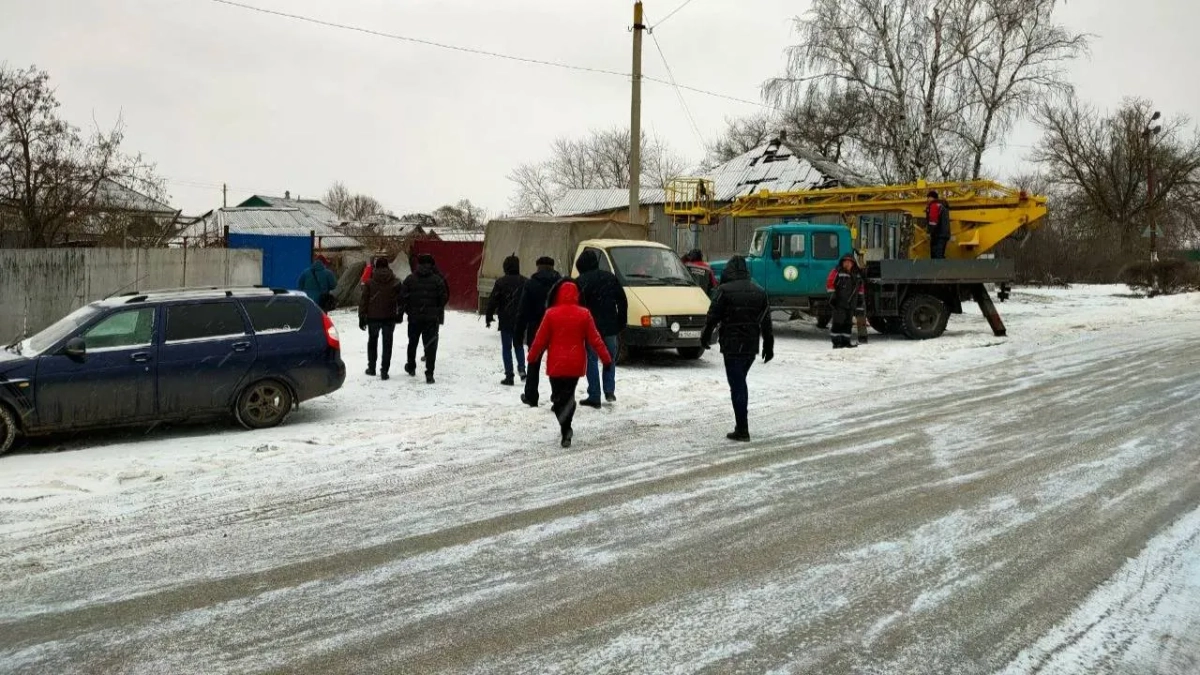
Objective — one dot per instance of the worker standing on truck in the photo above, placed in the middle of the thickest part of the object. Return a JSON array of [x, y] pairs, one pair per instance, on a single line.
[[740, 309], [534, 300], [846, 292], [937, 223]]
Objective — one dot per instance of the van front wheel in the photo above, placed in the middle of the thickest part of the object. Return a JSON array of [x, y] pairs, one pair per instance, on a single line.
[[8, 430]]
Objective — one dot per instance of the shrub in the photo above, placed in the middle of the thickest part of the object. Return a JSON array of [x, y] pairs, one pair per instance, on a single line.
[[1165, 277]]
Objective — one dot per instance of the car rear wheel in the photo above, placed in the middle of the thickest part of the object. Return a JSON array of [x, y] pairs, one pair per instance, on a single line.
[[691, 353], [8, 430], [264, 405]]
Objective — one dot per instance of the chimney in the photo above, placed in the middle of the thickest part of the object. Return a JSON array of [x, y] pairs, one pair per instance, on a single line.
[[287, 194], [783, 135]]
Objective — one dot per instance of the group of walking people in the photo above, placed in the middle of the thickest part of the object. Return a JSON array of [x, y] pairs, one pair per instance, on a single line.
[[386, 301]]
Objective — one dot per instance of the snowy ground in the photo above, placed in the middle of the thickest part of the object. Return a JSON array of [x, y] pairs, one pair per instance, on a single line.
[[970, 504]]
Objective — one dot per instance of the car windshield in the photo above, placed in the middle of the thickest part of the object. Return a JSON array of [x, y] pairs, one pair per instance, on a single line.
[[62, 328], [648, 266], [759, 244]]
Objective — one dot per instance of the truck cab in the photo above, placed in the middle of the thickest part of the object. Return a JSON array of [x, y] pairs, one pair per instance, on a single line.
[[667, 310], [791, 262]]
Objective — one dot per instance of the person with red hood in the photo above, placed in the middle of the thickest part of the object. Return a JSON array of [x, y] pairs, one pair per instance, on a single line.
[[565, 334], [701, 271]]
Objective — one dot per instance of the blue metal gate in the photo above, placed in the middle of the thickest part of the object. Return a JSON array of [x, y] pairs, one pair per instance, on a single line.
[[284, 258]]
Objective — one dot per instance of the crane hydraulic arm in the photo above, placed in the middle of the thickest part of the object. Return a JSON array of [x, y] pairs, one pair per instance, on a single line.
[[982, 213]]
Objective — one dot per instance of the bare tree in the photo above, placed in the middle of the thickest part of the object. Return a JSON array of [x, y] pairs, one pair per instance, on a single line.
[[351, 207], [1101, 161], [337, 198], [598, 160], [741, 135], [462, 216], [933, 83], [53, 178]]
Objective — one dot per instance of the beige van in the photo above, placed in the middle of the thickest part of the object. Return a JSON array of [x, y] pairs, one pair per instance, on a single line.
[[667, 309]]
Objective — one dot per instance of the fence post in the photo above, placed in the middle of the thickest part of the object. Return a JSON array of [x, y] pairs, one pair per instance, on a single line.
[[183, 282]]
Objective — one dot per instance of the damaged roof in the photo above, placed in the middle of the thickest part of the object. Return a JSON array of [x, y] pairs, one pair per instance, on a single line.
[[278, 222]]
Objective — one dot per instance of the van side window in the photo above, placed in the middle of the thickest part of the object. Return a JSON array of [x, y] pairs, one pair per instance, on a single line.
[[275, 314], [131, 328], [604, 264], [204, 320], [825, 246]]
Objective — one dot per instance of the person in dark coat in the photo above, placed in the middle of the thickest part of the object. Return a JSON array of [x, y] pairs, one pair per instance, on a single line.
[[740, 309], [566, 333], [318, 282], [701, 271], [504, 304], [379, 309], [846, 290], [534, 300], [937, 223], [601, 294], [424, 299]]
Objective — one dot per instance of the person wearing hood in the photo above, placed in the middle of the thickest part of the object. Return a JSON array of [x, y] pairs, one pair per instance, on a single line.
[[567, 331], [601, 294], [846, 292], [701, 271], [504, 304], [318, 283], [424, 299], [379, 310], [741, 311], [534, 300]]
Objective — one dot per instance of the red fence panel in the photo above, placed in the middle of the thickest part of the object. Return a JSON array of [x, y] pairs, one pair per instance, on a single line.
[[459, 261]]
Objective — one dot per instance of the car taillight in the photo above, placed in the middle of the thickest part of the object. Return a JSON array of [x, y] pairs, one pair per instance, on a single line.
[[331, 333]]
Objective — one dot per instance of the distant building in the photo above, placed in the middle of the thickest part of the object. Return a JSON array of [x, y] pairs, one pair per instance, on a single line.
[[119, 216], [772, 166], [454, 234], [270, 216]]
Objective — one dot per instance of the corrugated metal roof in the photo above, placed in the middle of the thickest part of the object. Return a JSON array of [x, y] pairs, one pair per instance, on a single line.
[[583, 201], [111, 194], [450, 234], [772, 166], [277, 222], [312, 208]]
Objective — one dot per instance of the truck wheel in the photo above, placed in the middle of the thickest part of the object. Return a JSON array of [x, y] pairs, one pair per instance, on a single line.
[[8, 430], [924, 317], [691, 353]]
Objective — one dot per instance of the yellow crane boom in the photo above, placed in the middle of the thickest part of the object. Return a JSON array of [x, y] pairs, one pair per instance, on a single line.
[[982, 213]]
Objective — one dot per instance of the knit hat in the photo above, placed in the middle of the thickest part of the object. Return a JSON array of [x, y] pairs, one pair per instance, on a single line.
[[545, 261], [425, 259]]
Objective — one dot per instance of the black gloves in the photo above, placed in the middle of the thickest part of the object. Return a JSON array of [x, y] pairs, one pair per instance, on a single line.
[[362, 323], [768, 354]]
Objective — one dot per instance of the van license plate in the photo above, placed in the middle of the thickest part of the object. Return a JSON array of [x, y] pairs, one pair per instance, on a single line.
[[689, 334]]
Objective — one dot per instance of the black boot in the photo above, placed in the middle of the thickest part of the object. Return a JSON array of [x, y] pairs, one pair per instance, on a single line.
[[590, 404], [528, 402], [567, 435], [428, 378], [740, 435], [411, 369], [508, 381], [370, 371]]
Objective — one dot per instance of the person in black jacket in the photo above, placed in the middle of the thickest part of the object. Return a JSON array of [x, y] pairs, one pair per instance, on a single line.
[[740, 309], [534, 299], [379, 310], [505, 301], [602, 294], [846, 294], [937, 219], [424, 299]]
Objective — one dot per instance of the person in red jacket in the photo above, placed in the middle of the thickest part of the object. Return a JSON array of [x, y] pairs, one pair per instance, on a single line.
[[567, 330]]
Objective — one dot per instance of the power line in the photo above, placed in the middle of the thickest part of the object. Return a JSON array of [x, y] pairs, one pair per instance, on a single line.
[[679, 93], [429, 43], [672, 13]]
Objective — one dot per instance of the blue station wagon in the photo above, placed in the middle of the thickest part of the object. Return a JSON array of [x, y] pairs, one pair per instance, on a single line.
[[170, 356]]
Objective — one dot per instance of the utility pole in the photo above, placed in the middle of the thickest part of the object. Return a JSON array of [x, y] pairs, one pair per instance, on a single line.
[[224, 195], [1149, 133], [635, 120]]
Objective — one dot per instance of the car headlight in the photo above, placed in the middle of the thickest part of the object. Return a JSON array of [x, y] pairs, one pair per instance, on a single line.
[[654, 322]]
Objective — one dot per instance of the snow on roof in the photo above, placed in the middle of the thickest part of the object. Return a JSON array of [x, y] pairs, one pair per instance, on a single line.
[[313, 208], [772, 166], [451, 234], [113, 195], [278, 222], [584, 200]]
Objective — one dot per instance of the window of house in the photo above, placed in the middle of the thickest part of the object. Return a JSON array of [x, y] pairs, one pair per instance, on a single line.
[[203, 320]]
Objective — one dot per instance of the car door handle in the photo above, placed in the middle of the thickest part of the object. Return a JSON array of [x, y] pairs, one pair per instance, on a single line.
[[241, 346], [140, 357]]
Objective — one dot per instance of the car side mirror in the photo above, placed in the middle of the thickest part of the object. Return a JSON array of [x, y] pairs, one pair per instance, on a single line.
[[75, 349]]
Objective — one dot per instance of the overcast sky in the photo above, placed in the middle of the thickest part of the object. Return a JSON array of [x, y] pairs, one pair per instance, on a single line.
[[216, 94]]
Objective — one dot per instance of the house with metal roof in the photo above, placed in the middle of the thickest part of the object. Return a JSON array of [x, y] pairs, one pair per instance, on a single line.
[[313, 209], [772, 166], [211, 228]]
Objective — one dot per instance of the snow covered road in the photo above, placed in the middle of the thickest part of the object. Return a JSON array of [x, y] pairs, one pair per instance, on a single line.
[[967, 505]]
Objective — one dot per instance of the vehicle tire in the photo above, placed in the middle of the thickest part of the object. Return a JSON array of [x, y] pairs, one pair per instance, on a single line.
[[264, 404], [923, 317], [691, 353], [8, 430]]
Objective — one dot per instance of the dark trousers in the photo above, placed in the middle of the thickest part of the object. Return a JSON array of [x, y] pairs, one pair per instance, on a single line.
[[562, 399], [375, 329], [937, 247], [427, 333], [736, 370], [532, 375], [510, 348], [842, 327]]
